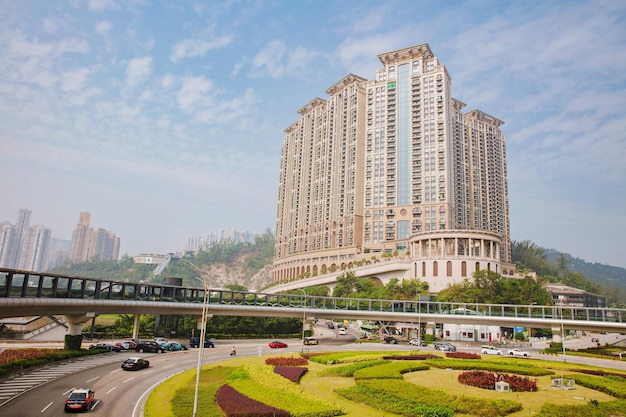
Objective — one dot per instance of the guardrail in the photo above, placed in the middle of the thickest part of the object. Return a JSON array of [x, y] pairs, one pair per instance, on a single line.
[[25, 284]]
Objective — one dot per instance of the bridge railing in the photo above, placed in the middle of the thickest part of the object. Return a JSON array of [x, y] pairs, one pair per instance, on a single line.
[[25, 284]]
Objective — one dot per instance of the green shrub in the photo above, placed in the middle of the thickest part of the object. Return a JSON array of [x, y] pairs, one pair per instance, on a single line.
[[350, 369], [392, 370]]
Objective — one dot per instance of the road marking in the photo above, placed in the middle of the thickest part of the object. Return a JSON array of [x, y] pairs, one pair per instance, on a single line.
[[46, 407]]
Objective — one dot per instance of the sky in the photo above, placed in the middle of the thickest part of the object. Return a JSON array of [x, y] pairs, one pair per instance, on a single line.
[[165, 119]]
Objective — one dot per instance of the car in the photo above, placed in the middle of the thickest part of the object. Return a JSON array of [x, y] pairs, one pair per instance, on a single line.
[[106, 346], [490, 350], [417, 342], [310, 341], [342, 331], [518, 352], [390, 340], [128, 343], [161, 340], [80, 399], [149, 346], [194, 342], [445, 347], [173, 346], [331, 326], [276, 344], [595, 340], [135, 364]]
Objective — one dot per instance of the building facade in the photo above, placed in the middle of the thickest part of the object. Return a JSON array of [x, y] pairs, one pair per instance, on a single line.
[[89, 245], [393, 166]]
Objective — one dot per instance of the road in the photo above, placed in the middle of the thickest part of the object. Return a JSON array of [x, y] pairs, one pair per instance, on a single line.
[[123, 393]]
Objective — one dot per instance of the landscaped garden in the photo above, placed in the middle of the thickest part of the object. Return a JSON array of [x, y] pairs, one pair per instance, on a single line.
[[392, 384]]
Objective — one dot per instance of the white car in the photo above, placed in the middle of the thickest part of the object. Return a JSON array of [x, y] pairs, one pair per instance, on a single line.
[[490, 350], [518, 352]]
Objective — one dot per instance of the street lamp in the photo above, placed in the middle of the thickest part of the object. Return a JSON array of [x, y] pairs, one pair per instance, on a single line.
[[202, 335], [562, 333], [303, 317]]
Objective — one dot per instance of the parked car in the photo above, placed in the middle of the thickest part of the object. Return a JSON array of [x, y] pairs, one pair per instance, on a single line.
[[445, 347], [490, 350], [161, 340], [390, 340], [106, 346], [194, 342], [149, 346], [518, 352], [135, 364], [173, 346], [80, 399], [277, 344], [127, 343], [310, 341], [417, 342]]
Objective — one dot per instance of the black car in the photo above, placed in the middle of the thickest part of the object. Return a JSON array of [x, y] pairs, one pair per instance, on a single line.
[[390, 340], [135, 364], [106, 346], [194, 342], [149, 346]]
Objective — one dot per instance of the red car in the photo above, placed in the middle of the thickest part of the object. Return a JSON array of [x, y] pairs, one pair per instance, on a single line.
[[277, 345], [80, 399]]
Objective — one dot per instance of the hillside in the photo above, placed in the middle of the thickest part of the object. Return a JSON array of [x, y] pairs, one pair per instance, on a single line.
[[604, 275]]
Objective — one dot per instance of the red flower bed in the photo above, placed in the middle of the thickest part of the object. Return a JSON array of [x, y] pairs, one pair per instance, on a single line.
[[292, 373], [462, 355], [12, 355], [235, 404], [487, 380], [412, 357], [286, 361], [600, 373]]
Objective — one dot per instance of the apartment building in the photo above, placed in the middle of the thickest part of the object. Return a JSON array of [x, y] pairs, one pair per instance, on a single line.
[[89, 245], [393, 166]]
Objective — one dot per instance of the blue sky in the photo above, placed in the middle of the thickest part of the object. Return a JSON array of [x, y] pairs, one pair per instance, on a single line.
[[165, 119]]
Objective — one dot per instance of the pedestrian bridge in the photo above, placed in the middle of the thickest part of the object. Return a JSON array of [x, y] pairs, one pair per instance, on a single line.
[[24, 294]]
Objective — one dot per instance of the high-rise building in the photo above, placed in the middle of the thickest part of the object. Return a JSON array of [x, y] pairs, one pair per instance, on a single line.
[[89, 245], [393, 166], [12, 238], [35, 247]]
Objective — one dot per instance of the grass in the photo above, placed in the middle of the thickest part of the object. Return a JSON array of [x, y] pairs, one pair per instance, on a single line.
[[179, 389]]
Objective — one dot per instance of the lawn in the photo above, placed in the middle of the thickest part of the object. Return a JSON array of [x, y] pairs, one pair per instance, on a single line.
[[179, 389]]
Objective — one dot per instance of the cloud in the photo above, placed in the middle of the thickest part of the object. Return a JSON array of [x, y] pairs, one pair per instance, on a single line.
[[192, 92], [194, 48], [276, 60], [100, 5], [103, 27], [138, 69], [19, 46], [74, 80]]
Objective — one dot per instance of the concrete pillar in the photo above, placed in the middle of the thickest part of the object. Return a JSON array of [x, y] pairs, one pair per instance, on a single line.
[[74, 336], [430, 328], [557, 337], [136, 326]]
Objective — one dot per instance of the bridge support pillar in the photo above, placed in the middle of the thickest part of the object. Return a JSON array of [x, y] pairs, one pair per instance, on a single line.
[[557, 336], [136, 326], [430, 331], [75, 323], [199, 320]]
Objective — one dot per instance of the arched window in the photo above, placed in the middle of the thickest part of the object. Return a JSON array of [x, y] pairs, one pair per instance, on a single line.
[[449, 268], [435, 269], [463, 269]]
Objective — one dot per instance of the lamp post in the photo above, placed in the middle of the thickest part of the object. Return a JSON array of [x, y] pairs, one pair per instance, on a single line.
[[303, 317], [202, 335], [562, 333], [530, 315]]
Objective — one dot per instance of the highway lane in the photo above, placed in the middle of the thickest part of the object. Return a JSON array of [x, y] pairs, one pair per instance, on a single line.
[[123, 393]]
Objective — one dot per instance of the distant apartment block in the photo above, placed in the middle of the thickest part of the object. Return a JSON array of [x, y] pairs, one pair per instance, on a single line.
[[90, 245], [393, 165], [196, 243], [23, 246]]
